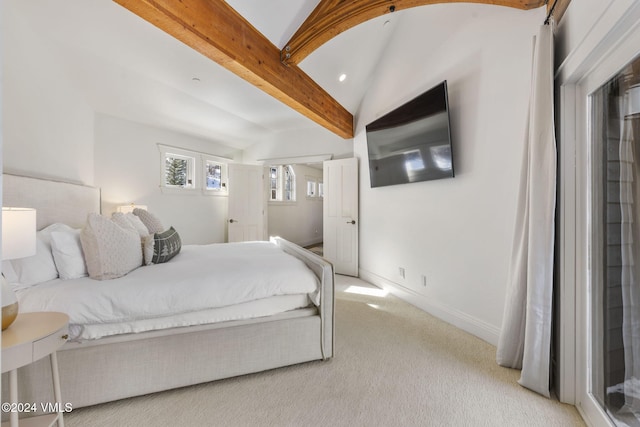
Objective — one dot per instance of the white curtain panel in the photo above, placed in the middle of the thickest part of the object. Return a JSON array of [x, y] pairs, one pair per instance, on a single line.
[[525, 338]]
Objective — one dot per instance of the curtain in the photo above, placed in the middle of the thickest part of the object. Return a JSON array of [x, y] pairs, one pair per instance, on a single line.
[[525, 338], [630, 291]]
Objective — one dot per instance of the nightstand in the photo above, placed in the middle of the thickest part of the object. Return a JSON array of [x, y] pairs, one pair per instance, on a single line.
[[31, 337]]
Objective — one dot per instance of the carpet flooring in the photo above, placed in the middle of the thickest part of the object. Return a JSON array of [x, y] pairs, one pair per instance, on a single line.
[[394, 365]]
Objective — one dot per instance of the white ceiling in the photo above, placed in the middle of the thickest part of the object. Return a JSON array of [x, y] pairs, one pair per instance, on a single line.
[[127, 68]]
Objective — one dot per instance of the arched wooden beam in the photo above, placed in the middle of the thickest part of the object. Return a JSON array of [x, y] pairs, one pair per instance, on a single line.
[[332, 17], [217, 31]]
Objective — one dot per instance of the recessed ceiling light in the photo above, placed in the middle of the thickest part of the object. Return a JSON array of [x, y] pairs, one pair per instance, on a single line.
[[342, 77]]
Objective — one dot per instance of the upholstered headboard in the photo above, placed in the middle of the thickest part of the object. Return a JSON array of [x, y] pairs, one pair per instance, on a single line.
[[54, 201]]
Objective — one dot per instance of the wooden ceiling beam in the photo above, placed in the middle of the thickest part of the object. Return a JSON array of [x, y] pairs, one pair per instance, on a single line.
[[557, 8], [332, 17], [217, 31]]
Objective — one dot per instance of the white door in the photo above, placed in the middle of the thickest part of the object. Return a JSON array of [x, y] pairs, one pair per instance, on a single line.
[[340, 215], [247, 203]]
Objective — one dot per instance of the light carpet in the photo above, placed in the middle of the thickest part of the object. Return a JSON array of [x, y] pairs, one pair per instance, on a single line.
[[394, 365]]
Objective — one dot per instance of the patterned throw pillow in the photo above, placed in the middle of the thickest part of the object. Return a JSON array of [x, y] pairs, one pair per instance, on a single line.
[[110, 250], [166, 246], [132, 222], [152, 222]]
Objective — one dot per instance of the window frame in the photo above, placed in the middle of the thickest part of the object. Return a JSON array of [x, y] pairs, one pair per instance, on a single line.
[[224, 174], [281, 191], [191, 180], [318, 187], [311, 181], [288, 177], [275, 188], [196, 171]]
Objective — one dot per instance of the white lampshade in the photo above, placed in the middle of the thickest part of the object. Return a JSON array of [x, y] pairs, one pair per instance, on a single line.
[[18, 232], [633, 106], [130, 208]]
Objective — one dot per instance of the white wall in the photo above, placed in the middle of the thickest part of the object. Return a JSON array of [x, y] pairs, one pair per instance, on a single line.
[[310, 141], [48, 127], [127, 169], [299, 222], [457, 232]]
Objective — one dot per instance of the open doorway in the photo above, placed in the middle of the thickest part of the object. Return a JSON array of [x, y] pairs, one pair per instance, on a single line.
[[295, 197]]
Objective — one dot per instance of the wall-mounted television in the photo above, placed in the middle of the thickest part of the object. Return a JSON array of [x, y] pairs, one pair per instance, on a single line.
[[413, 142]]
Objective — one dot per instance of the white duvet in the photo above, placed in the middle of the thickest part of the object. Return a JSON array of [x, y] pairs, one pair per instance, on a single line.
[[198, 278]]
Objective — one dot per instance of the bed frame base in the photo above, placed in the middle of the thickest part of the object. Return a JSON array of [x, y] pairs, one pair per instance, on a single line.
[[104, 373]]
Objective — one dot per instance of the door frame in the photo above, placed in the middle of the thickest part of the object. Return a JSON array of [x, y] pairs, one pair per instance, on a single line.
[[610, 45]]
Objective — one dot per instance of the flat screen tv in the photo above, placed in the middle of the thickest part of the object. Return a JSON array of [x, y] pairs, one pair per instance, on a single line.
[[413, 142]]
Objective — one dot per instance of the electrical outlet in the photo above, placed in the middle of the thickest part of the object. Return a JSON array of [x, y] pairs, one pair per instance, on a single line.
[[401, 272], [423, 278]]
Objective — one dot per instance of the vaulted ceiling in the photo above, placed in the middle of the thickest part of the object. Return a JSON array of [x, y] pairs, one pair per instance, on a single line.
[[176, 73], [218, 31]]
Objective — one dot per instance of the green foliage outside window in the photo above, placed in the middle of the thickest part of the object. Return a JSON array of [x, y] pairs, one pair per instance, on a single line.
[[176, 171]]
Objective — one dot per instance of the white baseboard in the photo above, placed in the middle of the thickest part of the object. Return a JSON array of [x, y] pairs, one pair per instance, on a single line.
[[457, 318]]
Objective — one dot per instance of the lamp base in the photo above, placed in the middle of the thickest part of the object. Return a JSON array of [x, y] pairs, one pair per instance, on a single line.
[[9, 314], [9, 303]]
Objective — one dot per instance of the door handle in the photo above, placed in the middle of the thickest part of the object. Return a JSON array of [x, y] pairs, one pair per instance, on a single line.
[[231, 221], [353, 221]]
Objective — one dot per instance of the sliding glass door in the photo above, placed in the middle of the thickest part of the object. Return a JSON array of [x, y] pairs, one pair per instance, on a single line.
[[615, 246]]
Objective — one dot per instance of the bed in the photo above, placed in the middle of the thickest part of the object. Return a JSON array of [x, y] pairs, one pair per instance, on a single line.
[[105, 363]]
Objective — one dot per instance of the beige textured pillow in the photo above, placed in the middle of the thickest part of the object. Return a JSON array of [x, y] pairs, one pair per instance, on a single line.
[[152, 223], [131, 222], [137, 224], [110, 250], [148, 243], [122, 221]]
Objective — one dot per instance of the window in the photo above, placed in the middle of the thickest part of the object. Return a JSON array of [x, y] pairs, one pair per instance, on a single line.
[[282, 184], [214, 174], [178, 171], [184, 171], [315, 188], [311, 188], [289, 184], [274, 188]]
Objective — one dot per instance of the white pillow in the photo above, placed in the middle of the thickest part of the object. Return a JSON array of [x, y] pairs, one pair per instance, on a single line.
[[41, 266], [67, 254], [110, 250]]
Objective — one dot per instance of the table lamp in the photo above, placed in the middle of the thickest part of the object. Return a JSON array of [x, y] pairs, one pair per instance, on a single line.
[[130, 208], [18, 241]]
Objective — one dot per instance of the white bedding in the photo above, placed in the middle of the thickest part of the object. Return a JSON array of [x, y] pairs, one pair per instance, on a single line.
[[248, 310], [198, 279]]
